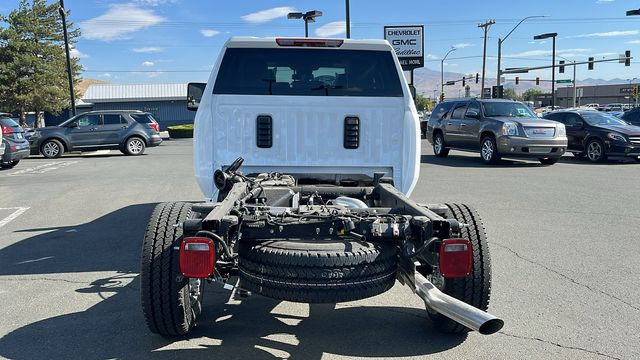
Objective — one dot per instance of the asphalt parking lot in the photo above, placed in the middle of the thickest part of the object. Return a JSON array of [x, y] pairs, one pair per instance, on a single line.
[[563, 241]]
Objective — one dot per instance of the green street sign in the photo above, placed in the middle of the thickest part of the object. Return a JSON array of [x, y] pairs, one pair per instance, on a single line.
[[564, 81]]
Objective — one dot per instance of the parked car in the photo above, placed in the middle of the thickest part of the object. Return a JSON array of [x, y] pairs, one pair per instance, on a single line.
[[126, 130], [592, 105], [495, 128], [16, 147], [632, 116], [598, 135]]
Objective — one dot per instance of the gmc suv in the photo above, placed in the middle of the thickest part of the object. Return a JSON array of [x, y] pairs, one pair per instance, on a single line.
[[495, 128], [129, 131]]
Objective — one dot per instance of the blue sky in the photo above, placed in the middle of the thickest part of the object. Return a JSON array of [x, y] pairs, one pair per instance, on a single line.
[[154, 41]]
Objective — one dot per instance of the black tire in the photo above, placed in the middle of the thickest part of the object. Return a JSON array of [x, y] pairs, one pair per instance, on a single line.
[[52, 149], [489, 150], [548, 161], [317, 271], [9, 165], [595, 151], [439, 148], [475, 289], [134, 146], [579, 155], [167, 304]]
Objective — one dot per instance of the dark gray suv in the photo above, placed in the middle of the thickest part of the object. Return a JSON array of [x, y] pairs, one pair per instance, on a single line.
[[125, 130], [495, 128]]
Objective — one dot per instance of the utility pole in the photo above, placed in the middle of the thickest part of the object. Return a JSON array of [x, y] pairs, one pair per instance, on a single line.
[[485, 28], [63, 14], [348, 19]]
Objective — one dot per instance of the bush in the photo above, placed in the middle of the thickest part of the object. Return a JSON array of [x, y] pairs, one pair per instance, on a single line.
[[180, 131]]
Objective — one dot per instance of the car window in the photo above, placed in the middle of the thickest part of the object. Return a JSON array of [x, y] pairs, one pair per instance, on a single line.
[[112, 119], [143, 118], [571, 119], [598, 118], [88, 120], [441, 111], [309, 72], [458, 112], [632, 117], [473, 106], [507, 109], [555, 116]]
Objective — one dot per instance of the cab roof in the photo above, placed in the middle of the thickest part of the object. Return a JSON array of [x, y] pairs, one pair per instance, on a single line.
[[270, 42]]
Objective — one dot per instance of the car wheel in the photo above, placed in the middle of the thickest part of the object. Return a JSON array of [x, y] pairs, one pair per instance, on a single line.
[[579, 154], [595, 151], [134, 146], [52, 149], [9, 165], [489, 150], [548, 161], [438, 146]]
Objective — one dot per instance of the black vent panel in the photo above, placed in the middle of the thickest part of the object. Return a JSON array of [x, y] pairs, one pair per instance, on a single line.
[[264, 131], [351, 132]]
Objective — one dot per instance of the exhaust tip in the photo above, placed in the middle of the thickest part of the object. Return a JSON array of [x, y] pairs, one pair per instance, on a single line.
[[490, 327]]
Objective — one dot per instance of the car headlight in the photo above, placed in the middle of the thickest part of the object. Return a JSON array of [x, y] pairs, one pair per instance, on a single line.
[[561, 130], [509, 128], [616, 137]]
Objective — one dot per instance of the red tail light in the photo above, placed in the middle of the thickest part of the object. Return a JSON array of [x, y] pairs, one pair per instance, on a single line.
[[154, 126], [7, 130], [197, 257], [309, 42], [456, 258]]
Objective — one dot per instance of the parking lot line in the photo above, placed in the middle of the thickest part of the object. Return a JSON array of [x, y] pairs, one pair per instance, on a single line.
[[41, 169], [18, 211]]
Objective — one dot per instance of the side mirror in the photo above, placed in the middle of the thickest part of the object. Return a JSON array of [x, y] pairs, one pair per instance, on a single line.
[[194, 95], [473, 114], [578, 125], [413, 91]]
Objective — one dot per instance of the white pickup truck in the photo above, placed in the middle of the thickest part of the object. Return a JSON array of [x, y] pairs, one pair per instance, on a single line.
[[306, 151]]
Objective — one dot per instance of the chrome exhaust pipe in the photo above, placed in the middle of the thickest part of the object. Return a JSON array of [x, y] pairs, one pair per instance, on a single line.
[[456, 310]]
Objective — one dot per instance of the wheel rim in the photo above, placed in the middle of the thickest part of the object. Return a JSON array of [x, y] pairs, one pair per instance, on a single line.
[[487, 150], [51, 149], [594, 151], [438, 144], [135, 146]]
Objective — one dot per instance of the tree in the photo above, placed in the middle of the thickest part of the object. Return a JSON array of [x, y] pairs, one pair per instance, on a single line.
[[509, 93], [33, 74], [530, 95], [423, 103]]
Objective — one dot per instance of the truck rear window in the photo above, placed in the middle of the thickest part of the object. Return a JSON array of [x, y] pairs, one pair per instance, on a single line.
[[308, 72]]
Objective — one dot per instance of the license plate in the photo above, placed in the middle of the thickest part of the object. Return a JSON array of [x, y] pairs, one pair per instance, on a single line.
[[540, 150]]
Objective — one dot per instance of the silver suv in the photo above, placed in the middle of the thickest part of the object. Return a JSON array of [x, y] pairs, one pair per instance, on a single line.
[[495, 128]]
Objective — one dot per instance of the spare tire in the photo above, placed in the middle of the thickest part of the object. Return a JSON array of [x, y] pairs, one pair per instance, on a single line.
[[317, 271]]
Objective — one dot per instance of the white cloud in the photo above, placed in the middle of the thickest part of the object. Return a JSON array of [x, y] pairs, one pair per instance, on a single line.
[[633, 42], [565, 52], [432, 57], [118, 22], [209, 32], [538, 42], [462, 45], [264, 16], [603, 1], [147, 63], [105, 75], [331, 29], [606, 34], [77, 54], [148, 49], [154, 74], [156, 2], [605, 54]]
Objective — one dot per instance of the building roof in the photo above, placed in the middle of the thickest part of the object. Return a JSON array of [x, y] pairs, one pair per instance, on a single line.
[[134, 92]]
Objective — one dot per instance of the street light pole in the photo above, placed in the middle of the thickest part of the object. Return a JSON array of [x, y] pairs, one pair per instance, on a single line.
[[309, 16], [347, 19], [553, 64], [63, 15], [501, 40], [442, 69], [485, 27]]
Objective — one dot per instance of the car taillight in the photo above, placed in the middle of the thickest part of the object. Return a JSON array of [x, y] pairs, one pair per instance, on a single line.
[[309, 42], [197, 257], [7, 130], [154, 126], [456, 258]]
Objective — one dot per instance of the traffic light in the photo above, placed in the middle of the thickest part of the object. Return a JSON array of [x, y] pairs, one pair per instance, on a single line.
[[537, 81], [561, 67], [441, 97], [464, 81], [477, 78], [634, 92], [590, 65], [627, 55], [497, 92], [517, 80]]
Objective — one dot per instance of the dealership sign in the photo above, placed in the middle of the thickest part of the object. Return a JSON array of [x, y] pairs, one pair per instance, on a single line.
[[408, 42]]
